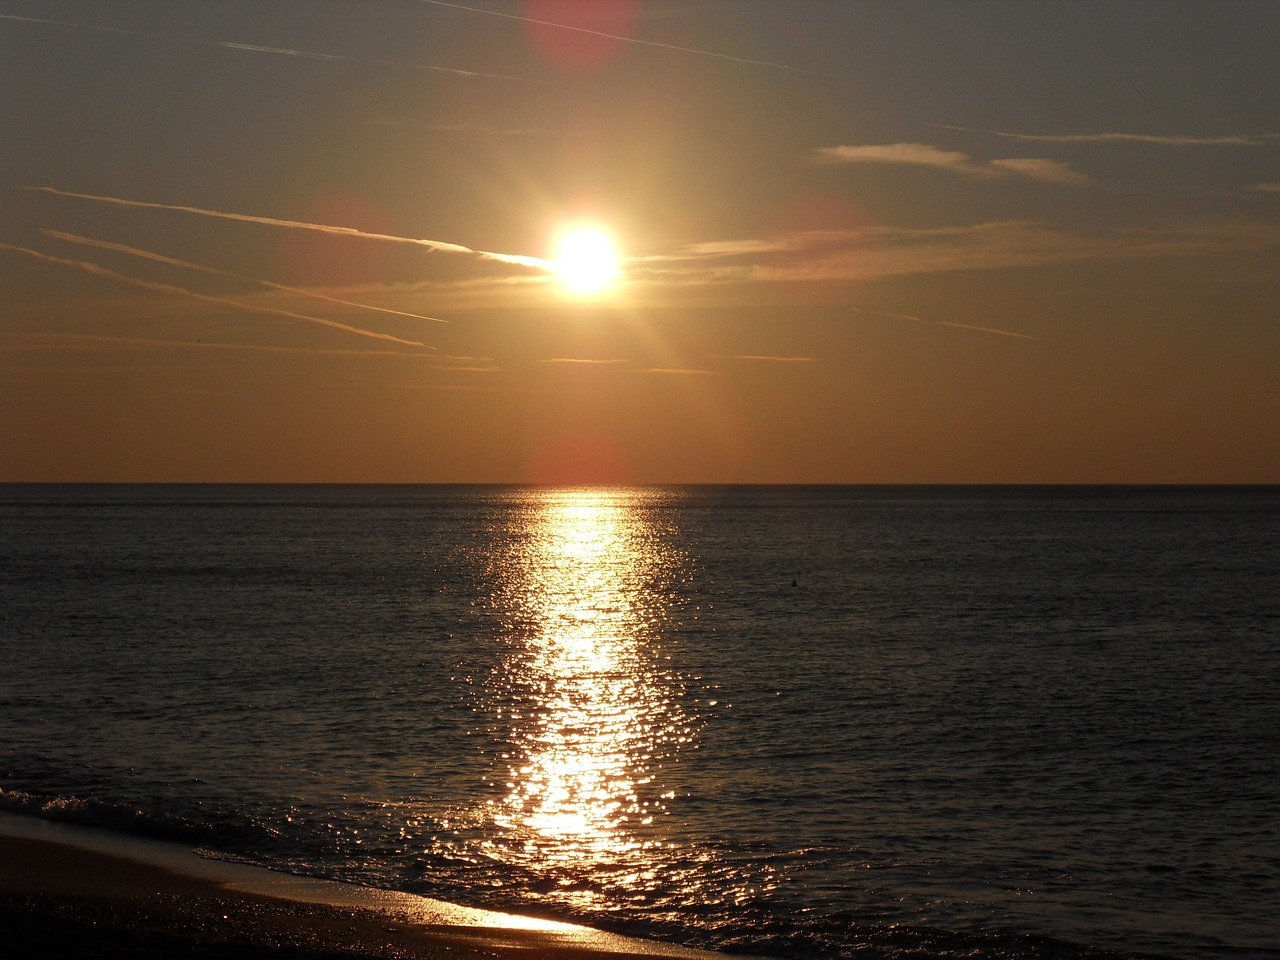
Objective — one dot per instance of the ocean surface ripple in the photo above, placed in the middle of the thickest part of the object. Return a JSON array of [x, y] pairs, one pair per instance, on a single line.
[[802, 722]]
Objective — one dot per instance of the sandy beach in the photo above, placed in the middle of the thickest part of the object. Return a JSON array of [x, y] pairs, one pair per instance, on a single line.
[[57, 897]]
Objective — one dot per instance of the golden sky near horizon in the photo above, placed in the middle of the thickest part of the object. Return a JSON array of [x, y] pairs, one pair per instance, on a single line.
[[325, 240]]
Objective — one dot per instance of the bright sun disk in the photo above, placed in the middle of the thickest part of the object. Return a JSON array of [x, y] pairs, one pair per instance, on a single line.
[[586, 258]]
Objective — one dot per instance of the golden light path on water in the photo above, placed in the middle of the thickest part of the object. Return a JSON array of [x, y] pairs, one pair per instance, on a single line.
[[591, 711]]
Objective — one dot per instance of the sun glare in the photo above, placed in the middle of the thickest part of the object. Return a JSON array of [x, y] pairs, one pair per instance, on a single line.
[[587, 258]]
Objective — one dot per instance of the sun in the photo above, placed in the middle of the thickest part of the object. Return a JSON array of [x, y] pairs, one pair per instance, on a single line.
[[586, 258]]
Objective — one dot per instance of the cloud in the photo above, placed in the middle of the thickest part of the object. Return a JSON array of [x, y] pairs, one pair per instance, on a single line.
[[441, 245], [874, 252], [924, 155], [1231, 140], [717, 249], [476, 129], [489, 369], [1266, 187], [679, 372], [160, 258], [768, 359], [918, 154], [101, 271], [663, 371], [1046, 171]]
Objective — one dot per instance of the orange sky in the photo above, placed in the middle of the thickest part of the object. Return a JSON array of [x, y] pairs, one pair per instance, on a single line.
[[860, 242]]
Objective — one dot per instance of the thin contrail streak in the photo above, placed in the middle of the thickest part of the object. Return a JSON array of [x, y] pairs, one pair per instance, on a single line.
[[187, 264], [341, 58], [947, 323], [258, 48], [972, 326], [442, 245], [210, 345], [101, 271], [67, 23], [615, 36]]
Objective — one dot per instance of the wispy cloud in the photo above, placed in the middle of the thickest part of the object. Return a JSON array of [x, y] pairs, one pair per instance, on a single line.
[[485, 369], [768, 359], [259, 48], [101, 271], [1230, 140], [873, 252], [1046, 171], [614, 36], [1266, 187], [714, 249], [202, 268], [583, 360], [924, 155], [441, 245], [917, 154], [679, 372], [424, 386], [475, 128]]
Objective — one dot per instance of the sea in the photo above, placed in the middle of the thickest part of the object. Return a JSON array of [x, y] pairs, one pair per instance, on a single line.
[[798, 722]]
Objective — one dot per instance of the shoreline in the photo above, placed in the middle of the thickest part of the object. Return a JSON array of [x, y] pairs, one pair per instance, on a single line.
[[92, 893]]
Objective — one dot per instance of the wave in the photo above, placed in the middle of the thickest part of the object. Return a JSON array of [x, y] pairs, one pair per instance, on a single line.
[[127, 819], [802, 935], [805, 935]]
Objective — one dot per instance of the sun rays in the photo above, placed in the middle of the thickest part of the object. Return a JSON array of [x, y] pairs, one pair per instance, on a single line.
[[586, 258]]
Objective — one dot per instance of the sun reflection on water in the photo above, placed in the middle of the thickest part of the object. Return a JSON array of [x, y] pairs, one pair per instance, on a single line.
[[591, 713]]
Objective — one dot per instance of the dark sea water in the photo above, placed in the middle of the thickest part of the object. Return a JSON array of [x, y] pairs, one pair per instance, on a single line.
[[805, 722]]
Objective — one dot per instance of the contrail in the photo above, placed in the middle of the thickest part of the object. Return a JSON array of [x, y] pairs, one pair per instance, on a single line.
[[340, 58], [65, 23], [209, 345], [946, 323], [101, 271], [971, 326], [160, 258], [614, 36], [257, 48], [441, 245]]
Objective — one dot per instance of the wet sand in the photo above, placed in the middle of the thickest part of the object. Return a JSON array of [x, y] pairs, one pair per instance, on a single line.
[[56, 897]]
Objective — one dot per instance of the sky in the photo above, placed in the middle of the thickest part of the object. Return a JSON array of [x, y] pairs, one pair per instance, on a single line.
[[856, 241]]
